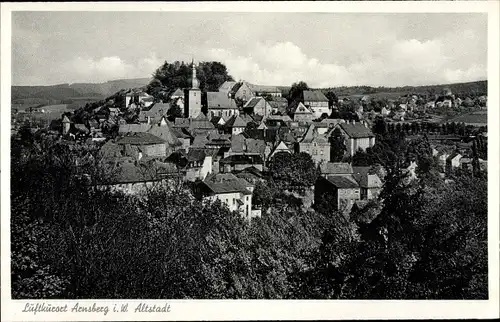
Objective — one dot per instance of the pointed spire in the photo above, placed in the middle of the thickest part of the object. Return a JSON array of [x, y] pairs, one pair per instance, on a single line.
[[194, 81]]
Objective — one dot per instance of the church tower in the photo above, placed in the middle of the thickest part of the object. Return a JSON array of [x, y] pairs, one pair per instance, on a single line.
[[193, 102]]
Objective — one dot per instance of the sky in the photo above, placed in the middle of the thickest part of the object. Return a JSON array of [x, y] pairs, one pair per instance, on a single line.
[[322, 49]]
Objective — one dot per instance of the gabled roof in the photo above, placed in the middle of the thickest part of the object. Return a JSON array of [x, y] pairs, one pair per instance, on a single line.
[[343, 182], [166, 133], [140, 138], [201, 122], [226, 183], [368, 180], [235, 121], [227, 86], [65, 119], [336, 168], [177, 92], [312, 136], [357, 130], [220, 100], [253, 102], [302, 109], [218, 120], [181, 122], [314, 96]]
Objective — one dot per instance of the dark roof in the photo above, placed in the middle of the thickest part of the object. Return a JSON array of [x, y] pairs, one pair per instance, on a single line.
[[127, 170], [236, 87], [336, 168], [361, 170], [218, 100], [140, 138], [368, 180], [178, 92], [315, 96], [357, 130], [226, 183], [253, 102], [242, 159], [235, 121], [343, 182], [166, 133], [196, 155]]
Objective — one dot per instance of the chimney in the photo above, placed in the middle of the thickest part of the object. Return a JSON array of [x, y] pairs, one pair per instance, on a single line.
[[149, 119]]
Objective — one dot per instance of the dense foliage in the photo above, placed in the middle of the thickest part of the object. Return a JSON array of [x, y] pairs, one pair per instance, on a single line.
[[70, 240], [170, 76]]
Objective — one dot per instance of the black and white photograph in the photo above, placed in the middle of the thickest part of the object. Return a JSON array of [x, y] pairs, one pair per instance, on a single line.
[[239, 155]]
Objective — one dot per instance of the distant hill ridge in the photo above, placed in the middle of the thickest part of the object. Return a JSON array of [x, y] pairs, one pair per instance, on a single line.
[[109, 88], [64, 91]]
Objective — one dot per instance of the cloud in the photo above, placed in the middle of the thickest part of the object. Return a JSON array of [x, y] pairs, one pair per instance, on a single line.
[[103, 69], [403, 62]]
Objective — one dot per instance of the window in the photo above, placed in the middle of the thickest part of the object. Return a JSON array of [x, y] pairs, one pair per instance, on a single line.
[[234, 201]]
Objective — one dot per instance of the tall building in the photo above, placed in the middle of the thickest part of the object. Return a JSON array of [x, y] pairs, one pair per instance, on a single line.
[[192, 107]]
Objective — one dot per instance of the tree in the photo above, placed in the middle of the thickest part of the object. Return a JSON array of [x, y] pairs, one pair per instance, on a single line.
[[171, 76], [293, 169], [296, 91], [332, 98], [174, 112]]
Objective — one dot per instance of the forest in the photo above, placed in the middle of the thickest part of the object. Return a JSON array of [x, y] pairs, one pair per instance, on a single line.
[[69, 240]]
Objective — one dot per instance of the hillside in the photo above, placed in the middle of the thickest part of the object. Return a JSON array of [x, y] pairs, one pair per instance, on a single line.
[[461, 89], [65, 91]]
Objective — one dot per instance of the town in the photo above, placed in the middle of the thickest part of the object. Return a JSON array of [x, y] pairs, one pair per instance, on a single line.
[[256, 152], [228, 146]]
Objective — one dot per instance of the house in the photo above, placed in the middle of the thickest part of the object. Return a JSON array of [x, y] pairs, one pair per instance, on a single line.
[[218, 121], [302, 113], [249, 146], [200, 125], [238, 162], [138, 98], [226, 87], [341, 191], [317, 146], [317, 102], [278, 105], [251, 174], [66, 125], [341, 169], [133, 177], [357, 136], [370, 185], [235, 125], [264, 90], [259, 106], [147, 143], [280, 147], [234, 192], [154, 113], [178, 93], [241, 90], [196, 164], [453, 161], [219, 104]]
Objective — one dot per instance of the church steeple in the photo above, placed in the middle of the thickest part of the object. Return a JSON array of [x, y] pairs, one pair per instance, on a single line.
[[195, 84]]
